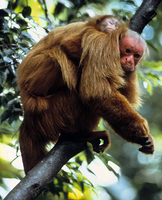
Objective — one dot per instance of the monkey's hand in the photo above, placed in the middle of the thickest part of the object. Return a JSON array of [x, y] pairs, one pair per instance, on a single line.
[[147, 144], [142, 137], [138, 132]]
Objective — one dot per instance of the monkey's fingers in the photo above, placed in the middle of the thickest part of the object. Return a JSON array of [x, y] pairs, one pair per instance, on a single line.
[[148, 146], [147, 149], [96, 143], [97, 146], [142, 140], [100, 148]]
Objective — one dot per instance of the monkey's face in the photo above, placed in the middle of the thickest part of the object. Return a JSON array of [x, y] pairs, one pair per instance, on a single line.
[[131, 51], [112, 24], [109, 24]]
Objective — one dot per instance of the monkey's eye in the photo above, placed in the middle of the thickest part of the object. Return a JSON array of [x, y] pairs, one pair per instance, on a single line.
[[137, 56], [128, 51], [117, 25], [111, 22]]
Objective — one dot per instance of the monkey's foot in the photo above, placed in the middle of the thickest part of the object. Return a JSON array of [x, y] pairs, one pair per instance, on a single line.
[[95, 139]]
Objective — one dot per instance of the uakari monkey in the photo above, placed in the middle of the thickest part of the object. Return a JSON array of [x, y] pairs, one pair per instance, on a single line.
[[73, 77]]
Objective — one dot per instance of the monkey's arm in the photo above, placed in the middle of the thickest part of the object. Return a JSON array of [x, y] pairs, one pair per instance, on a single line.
[[126, 122]]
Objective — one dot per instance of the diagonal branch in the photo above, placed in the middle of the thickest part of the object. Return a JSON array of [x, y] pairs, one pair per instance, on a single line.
[[42, 174], [145, 13]]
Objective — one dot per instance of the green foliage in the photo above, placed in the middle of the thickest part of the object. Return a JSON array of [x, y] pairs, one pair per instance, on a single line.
[[15, 42], [151, 75], [69, 179]]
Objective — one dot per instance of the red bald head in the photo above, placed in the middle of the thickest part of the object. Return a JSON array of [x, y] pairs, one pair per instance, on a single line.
[[132, 48]]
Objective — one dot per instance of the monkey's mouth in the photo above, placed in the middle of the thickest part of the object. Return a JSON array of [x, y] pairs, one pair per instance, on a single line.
[[127, 68]]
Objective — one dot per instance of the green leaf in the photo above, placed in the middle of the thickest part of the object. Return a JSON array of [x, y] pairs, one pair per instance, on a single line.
[[3, 77], [12, 102], [156, 66], [6, 115], [3, 13], [59, 8], [25, 35], [105, 158], [89, 153], [152, 45], [26, 11], [13, 117]]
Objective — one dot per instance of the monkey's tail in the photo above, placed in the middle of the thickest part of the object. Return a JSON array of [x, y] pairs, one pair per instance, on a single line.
[[32, 148]]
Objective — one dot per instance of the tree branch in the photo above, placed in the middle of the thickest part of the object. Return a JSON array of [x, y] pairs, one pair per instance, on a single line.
[[145, 13], [42, 174]]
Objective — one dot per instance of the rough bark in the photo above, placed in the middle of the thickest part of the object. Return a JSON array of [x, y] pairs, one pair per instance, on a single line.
[[145, 13], [42, 174]]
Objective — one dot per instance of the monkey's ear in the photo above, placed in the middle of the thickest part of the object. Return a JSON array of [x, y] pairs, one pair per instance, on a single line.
[[98, 21]]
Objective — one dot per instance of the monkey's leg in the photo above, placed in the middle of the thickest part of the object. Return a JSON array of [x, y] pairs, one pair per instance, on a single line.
[[95, 139]]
